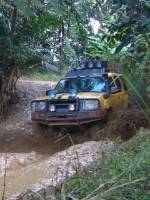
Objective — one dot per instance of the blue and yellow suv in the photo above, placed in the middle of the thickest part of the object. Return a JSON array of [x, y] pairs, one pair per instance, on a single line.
[[82, 96]]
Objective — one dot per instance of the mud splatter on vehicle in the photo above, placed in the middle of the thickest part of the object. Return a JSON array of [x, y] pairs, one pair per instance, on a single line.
[[83, 97]]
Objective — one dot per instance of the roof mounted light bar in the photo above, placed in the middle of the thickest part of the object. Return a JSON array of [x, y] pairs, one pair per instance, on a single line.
[[90, 67], [94, 64]]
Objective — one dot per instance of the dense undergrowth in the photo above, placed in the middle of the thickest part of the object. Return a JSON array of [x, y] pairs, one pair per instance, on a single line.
[[122, 174]]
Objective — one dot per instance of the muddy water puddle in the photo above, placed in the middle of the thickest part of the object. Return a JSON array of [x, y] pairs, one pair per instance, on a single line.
[[24, 159], [22, 178], [22, 171], [52, 169]]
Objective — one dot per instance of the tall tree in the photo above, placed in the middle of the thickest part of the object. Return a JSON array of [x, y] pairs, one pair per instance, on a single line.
[[19, 39], [28, 25]]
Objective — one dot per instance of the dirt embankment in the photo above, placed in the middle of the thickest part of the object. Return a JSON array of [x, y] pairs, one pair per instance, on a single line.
[[27, 159]]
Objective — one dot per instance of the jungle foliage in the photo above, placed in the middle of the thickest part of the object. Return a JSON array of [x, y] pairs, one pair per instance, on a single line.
[[33, 30], [122, 173], [124, 40]]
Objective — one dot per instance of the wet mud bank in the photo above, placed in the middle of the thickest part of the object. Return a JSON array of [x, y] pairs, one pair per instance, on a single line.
[[56, 170]]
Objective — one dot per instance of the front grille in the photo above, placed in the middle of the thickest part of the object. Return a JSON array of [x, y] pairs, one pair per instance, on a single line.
[[62, 106]]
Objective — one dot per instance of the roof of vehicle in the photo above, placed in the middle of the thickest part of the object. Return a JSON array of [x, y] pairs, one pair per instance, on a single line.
[[89, 72], [91, 68]]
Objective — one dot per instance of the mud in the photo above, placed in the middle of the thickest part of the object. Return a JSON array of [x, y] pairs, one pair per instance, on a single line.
[[126, 123], [25, 157]]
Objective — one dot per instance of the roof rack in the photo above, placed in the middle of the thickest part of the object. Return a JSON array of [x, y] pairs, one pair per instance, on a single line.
[[94, 64], [90, 67], [90, 64]]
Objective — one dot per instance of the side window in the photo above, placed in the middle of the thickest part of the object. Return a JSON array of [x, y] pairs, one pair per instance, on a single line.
[[112, 86], [118, 84], [124, 83], [111, 82]]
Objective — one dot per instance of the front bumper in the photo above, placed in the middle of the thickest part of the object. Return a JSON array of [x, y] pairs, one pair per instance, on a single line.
[[67, 119]]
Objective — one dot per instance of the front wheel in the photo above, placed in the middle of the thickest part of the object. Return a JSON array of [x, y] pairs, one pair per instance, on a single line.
[[41, 130], [96, 132]]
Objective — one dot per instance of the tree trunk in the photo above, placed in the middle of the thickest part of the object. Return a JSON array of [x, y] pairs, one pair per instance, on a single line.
[[7, 77], [61, 43]]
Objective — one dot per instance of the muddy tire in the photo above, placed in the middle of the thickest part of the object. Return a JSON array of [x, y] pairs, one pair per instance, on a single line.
[[40, 130], [96, 132]]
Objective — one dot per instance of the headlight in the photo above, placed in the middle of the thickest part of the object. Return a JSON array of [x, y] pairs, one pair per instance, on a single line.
[[90, 105], [52, 108], [71, 107], [38, 106]]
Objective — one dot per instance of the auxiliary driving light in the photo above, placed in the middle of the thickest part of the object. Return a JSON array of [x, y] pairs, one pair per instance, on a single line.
[[71, 107], [98, 64], [52, 108], [90, 64]]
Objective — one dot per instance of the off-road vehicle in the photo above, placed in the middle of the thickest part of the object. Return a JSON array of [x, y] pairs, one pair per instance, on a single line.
[[83, 97]]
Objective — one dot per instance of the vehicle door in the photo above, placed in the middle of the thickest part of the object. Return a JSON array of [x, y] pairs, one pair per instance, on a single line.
[[116, 100], [125, 94]]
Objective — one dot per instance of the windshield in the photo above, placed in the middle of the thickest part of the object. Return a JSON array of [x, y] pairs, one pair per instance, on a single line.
[[81, 84]]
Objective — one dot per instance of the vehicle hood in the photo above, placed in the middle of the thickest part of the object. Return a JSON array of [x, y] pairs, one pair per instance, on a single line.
[[81, 95]]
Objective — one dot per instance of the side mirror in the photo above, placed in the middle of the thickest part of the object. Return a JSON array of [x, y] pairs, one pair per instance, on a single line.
[[50, 93], [106, 95]]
